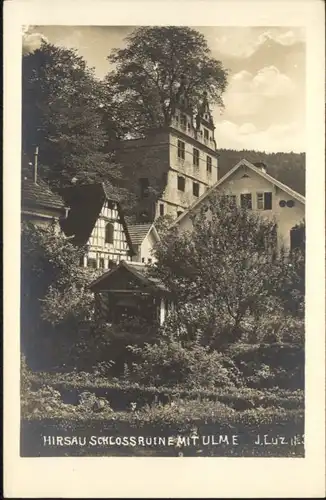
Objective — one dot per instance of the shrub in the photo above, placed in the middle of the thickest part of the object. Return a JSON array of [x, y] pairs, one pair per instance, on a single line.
[[270, 365], [169, 363]]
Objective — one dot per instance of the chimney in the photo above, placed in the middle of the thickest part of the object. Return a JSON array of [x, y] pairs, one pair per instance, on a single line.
[[261, 166], [35, 164]]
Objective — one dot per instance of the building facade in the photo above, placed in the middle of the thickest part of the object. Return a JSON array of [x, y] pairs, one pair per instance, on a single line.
[[96, 223], [143, 237], [173, 166], [250, 186], [39, 204]]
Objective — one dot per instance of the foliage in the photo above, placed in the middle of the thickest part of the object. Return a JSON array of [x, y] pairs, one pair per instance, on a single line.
[[224, 273], [163, 223], [170, 363], [51, 276], [55, 298], [150, 69], [63, 116], [267, 365]]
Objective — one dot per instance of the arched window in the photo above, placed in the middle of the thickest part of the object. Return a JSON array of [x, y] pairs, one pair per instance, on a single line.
[[109, 230]]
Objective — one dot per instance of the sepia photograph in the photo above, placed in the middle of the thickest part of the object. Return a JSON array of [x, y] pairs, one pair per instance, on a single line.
[[164, 276], [163, 241]]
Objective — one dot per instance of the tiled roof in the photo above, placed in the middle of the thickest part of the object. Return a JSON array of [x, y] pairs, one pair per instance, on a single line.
[[138, 232], [140, 271], [40, 194]]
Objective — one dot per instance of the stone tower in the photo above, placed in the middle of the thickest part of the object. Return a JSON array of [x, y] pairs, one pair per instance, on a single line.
[[174, 165]]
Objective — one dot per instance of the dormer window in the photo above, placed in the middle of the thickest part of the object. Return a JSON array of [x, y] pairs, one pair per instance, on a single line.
[[206, 134], [183, 121]]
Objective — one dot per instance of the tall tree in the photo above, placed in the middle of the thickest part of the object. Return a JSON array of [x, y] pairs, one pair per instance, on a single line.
[[63, 115], [225, 271], [149, 70]]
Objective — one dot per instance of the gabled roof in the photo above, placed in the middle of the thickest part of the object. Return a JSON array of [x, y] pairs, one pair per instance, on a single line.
[[138, 232], [86, 202], [258, 171], [139, 271], [39, 195]]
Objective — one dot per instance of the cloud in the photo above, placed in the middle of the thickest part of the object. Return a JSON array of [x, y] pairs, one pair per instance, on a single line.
[[270, 82], [32, 40], [244, 41], [277, 137], [249, 94]]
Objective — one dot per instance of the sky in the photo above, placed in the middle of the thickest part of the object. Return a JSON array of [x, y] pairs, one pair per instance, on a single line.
[[265, 98]]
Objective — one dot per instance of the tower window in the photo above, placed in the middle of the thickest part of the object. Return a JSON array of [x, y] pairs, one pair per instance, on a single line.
[[195, 189], [181, 183], [246, 201], [109, 231], [161, 209], [196, 157], [181, 150], [209, 164], [144, 185]]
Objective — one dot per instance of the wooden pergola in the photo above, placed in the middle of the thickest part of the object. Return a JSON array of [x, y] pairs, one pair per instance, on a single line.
[[128, 292]]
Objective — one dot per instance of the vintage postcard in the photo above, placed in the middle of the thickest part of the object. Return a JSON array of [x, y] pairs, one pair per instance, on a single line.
[[164, 249]]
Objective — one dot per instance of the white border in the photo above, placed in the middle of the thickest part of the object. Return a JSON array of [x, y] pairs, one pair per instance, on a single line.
[[165, 477]]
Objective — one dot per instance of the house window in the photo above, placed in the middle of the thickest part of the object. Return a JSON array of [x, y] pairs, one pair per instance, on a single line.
[[181, 183], [195, 189], [260, 201], [112, 264], [297, 238], [264, 201], [246, 201], [196, 157], [91, 263], [179, 212], [229, 199], [161, 209], [209, 164], [109, 231], [144, 185], [102, 265], [143, 260], [206, 134], [181, 150]]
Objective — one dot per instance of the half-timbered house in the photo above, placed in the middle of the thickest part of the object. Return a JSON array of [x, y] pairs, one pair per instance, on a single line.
[[96, 222]]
